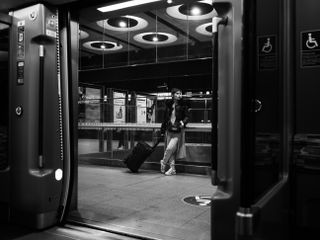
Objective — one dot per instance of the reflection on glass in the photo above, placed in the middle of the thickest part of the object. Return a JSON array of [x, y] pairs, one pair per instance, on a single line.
[[171, 33], [266, 163], [267, 168]]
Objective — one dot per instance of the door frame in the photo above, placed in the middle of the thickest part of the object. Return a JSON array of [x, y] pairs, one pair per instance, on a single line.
[[5, 173]]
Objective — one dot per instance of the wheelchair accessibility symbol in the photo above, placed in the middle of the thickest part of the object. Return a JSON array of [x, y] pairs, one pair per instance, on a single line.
[[311, 42], [267, 47]]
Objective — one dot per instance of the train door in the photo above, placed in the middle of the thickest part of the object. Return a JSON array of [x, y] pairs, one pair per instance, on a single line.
[[34, 158], [254, 125]]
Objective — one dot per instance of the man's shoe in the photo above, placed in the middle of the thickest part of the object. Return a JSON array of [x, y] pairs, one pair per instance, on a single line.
[[170, 172]]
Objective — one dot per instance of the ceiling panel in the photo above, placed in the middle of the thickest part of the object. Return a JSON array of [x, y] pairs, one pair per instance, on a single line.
[[183, 31], [6, 5]]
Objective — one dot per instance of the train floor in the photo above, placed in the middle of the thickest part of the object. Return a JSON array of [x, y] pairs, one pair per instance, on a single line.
[[68, 232], [147, 205]]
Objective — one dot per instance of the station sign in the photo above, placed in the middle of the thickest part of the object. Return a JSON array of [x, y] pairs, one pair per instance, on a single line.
[[141, 104], [119, 107]]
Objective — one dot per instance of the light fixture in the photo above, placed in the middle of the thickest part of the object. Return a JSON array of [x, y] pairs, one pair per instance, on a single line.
[[205, 29], [125, 23], [198, 10], [123, 5], [155, 38], [103, 46], [83, 34], [195, 11], [122, 24]]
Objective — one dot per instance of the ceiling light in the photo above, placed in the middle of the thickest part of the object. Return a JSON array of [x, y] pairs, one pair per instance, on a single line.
[[195, 11], [123, 5], [83, 34], [199, 10], [103, 46], [205, 29], [122, 24], [155, 38]]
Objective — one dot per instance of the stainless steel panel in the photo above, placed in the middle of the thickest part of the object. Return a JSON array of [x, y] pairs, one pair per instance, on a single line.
[[35, 144]]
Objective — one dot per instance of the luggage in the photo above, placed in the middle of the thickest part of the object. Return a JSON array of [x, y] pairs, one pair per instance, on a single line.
[[138, 155]]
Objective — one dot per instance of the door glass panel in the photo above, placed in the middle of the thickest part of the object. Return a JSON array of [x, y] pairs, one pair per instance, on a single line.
[[4, 98], [268, 113]]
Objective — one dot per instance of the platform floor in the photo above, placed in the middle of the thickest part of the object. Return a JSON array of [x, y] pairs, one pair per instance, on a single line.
[[147, 204]]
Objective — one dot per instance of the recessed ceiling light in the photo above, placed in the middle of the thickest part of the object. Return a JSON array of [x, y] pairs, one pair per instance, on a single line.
[[199, 10], [205, 29], [155, 38], [122, 5], [123, 23], [195, 11], [105, 46], [83, 34]]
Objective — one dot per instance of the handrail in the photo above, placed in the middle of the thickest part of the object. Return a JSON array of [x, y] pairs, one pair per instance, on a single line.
[[191, 127]]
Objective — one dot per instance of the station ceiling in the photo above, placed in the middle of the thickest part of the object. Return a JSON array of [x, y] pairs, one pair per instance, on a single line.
[[165, 25], [7, 5]]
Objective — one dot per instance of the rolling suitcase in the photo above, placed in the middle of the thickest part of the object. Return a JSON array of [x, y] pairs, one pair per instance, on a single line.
[[138, 155]]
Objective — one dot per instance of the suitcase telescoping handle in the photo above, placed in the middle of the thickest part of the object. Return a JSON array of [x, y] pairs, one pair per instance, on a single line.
[[157, 143]]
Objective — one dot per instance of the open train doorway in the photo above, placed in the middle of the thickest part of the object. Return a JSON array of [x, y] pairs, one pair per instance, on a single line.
[[129, 60], [236, 166]]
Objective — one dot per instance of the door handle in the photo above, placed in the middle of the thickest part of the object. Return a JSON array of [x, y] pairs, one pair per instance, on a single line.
[[41, 99]]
